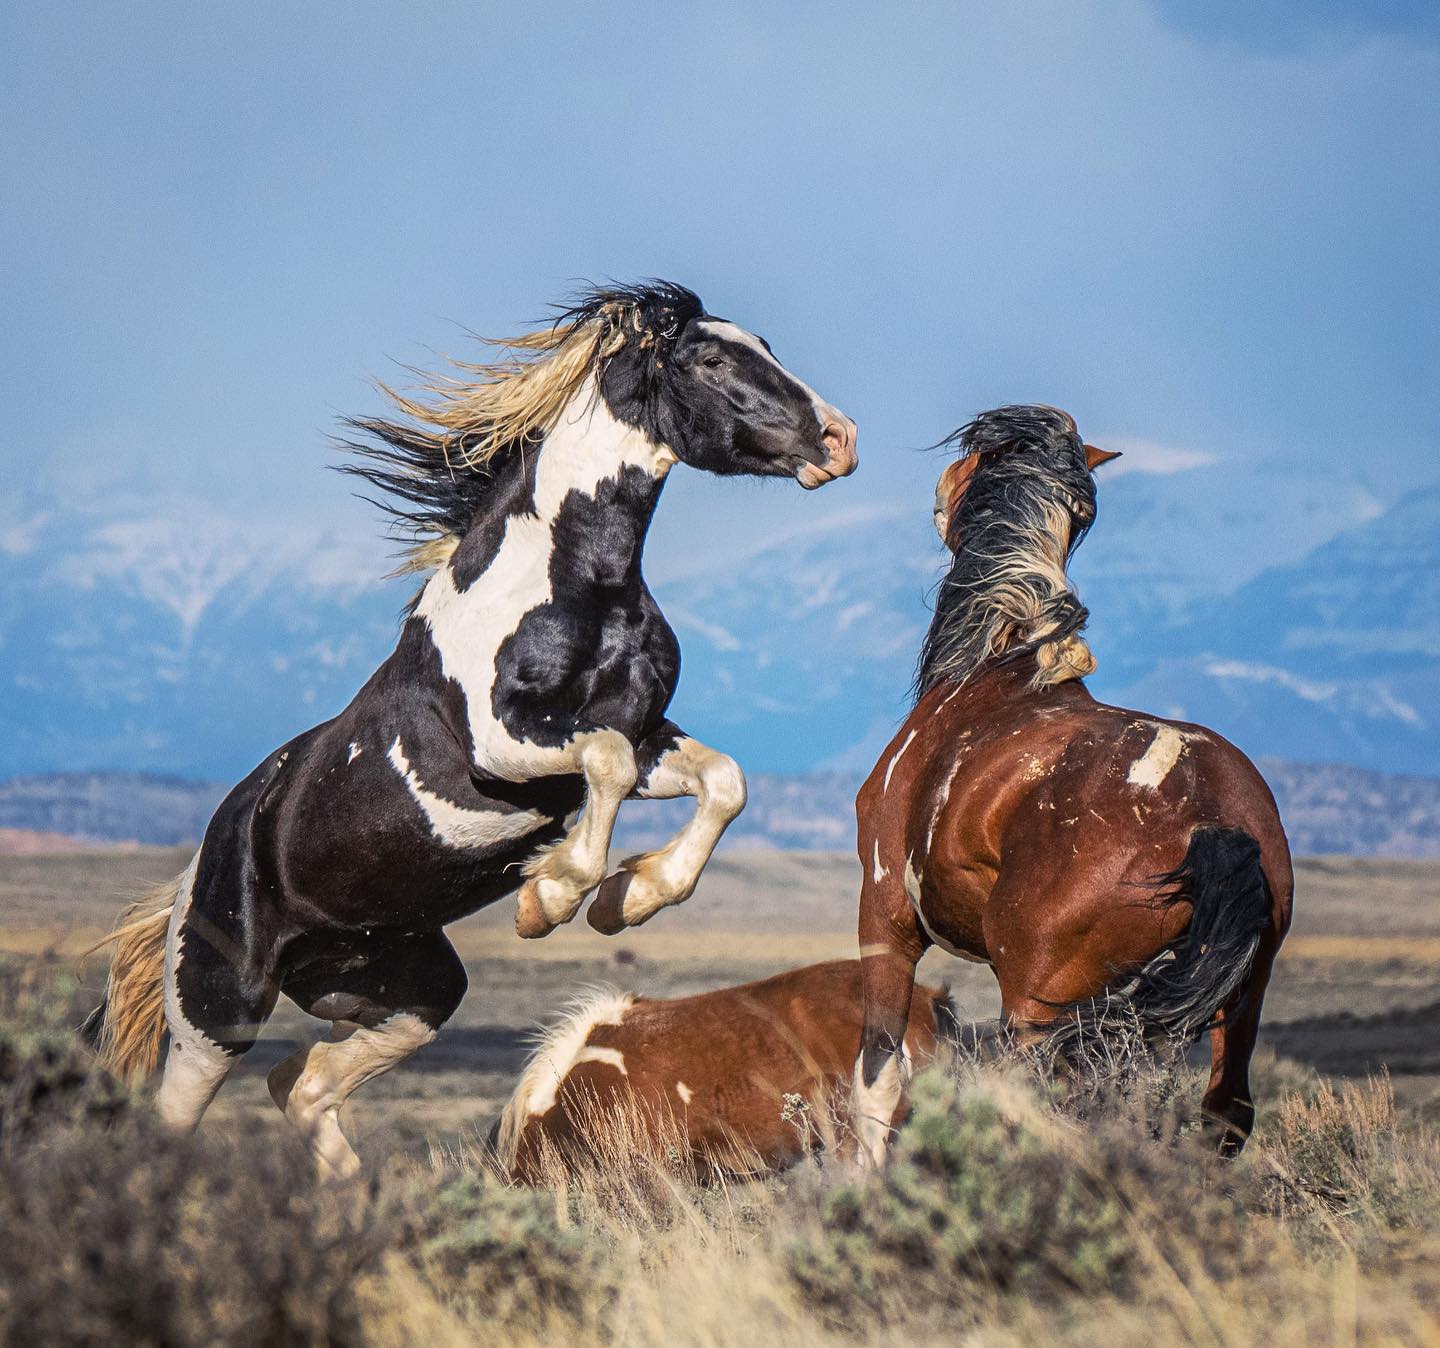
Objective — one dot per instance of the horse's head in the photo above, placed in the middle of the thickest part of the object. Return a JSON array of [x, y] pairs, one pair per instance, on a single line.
[[955, 479], [750, 414], [1012, 509], [716, 394]]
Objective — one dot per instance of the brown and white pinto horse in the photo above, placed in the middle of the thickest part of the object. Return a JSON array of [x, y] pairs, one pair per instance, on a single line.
[[710, 1071], [1082, 851]]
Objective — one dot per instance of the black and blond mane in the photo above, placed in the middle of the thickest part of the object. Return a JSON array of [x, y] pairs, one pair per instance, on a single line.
[[1028, 504], [458, 431]]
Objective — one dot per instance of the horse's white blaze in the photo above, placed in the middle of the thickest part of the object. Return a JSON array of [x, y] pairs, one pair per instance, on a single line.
[[556, 1052], [873, 1107], [878, 872], [355, 751], [731, 332], [899, 753], [1154, 765], [586, 447], [455, 825], [195, 1066], [684, 1092]]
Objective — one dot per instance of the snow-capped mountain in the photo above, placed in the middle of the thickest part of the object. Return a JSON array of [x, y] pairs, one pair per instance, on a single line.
[[1245, 600], [1291, 613], [1339, 650], [182, 642]]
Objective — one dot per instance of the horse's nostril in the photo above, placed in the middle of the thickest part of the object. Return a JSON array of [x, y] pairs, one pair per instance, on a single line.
[[839, 435]]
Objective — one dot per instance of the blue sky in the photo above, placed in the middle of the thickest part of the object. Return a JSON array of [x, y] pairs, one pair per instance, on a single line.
[[1206, 228]]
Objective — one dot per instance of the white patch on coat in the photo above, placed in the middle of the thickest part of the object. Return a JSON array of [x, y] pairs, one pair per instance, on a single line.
[[1154, 765], [586, 447], [684, 1092], [557, 1049], [877, 871], [825, 414], [611, 1057], [941, 800], [195, 1066], [455, 825], [890, 771], [355, 751]]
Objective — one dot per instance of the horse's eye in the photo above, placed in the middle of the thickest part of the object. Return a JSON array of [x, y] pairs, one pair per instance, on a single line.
[[713, 362]]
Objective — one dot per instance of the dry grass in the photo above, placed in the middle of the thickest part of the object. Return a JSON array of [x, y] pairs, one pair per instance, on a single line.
[[1002, 1219]]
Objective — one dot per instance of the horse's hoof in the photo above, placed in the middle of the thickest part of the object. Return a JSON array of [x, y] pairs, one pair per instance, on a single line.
[[607, 913], [530, 920]]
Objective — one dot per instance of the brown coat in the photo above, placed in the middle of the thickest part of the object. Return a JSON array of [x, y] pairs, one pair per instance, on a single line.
[[712, 1071]]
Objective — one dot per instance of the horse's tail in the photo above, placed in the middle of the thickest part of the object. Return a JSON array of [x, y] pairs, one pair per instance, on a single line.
[[127, 1027], [948, 1025], [1178, 994]]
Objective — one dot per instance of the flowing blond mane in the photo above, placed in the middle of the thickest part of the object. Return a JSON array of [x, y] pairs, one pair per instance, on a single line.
[[474, 413], [557, 1048], [456, 424]]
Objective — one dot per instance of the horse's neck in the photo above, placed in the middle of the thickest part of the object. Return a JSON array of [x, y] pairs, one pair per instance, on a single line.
[[592, 475], [1017, 680]]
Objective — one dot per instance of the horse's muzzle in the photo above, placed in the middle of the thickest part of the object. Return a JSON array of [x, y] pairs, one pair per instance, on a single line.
[[838, 438]]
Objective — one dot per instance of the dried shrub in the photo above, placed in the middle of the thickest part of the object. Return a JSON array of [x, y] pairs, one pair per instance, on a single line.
[[135, 1235], [47, 1076], [990, 1192], [503, 1257], [1342, 1154]]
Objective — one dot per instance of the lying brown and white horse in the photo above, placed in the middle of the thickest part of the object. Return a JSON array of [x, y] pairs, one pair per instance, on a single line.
[[1082, 851], [710, 1071]]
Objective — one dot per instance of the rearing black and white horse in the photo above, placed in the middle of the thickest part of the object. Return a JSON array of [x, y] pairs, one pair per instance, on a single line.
[[531, 679]]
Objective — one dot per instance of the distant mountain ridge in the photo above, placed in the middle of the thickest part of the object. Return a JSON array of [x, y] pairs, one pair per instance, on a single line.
[[1327, 808], [1294, 614]]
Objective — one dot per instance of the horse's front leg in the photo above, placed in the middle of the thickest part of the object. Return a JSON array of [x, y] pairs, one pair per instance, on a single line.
[[673, 765], [561, 876]]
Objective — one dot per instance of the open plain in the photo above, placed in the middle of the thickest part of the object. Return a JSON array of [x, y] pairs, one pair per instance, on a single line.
[[1357, 989]]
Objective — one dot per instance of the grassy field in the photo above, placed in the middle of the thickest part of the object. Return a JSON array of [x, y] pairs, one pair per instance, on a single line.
[[1327, 1232]]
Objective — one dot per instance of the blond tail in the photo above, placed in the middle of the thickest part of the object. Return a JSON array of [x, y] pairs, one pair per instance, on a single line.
[[127, 1027]]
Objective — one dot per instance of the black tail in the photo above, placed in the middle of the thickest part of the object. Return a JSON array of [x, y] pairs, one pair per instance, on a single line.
[[948, 1026], [1178, 993]]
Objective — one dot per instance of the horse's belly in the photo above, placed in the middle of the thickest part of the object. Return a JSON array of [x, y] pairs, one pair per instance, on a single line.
[[379, 844]]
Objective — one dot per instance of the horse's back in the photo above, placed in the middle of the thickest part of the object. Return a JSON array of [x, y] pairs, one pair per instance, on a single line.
[[998, 794]]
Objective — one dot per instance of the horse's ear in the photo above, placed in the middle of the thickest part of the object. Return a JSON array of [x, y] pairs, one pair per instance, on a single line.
[[1095, 457]]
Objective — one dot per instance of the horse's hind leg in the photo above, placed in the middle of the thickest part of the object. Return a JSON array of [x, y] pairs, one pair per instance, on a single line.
[[218, 993], [385, 1004]]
